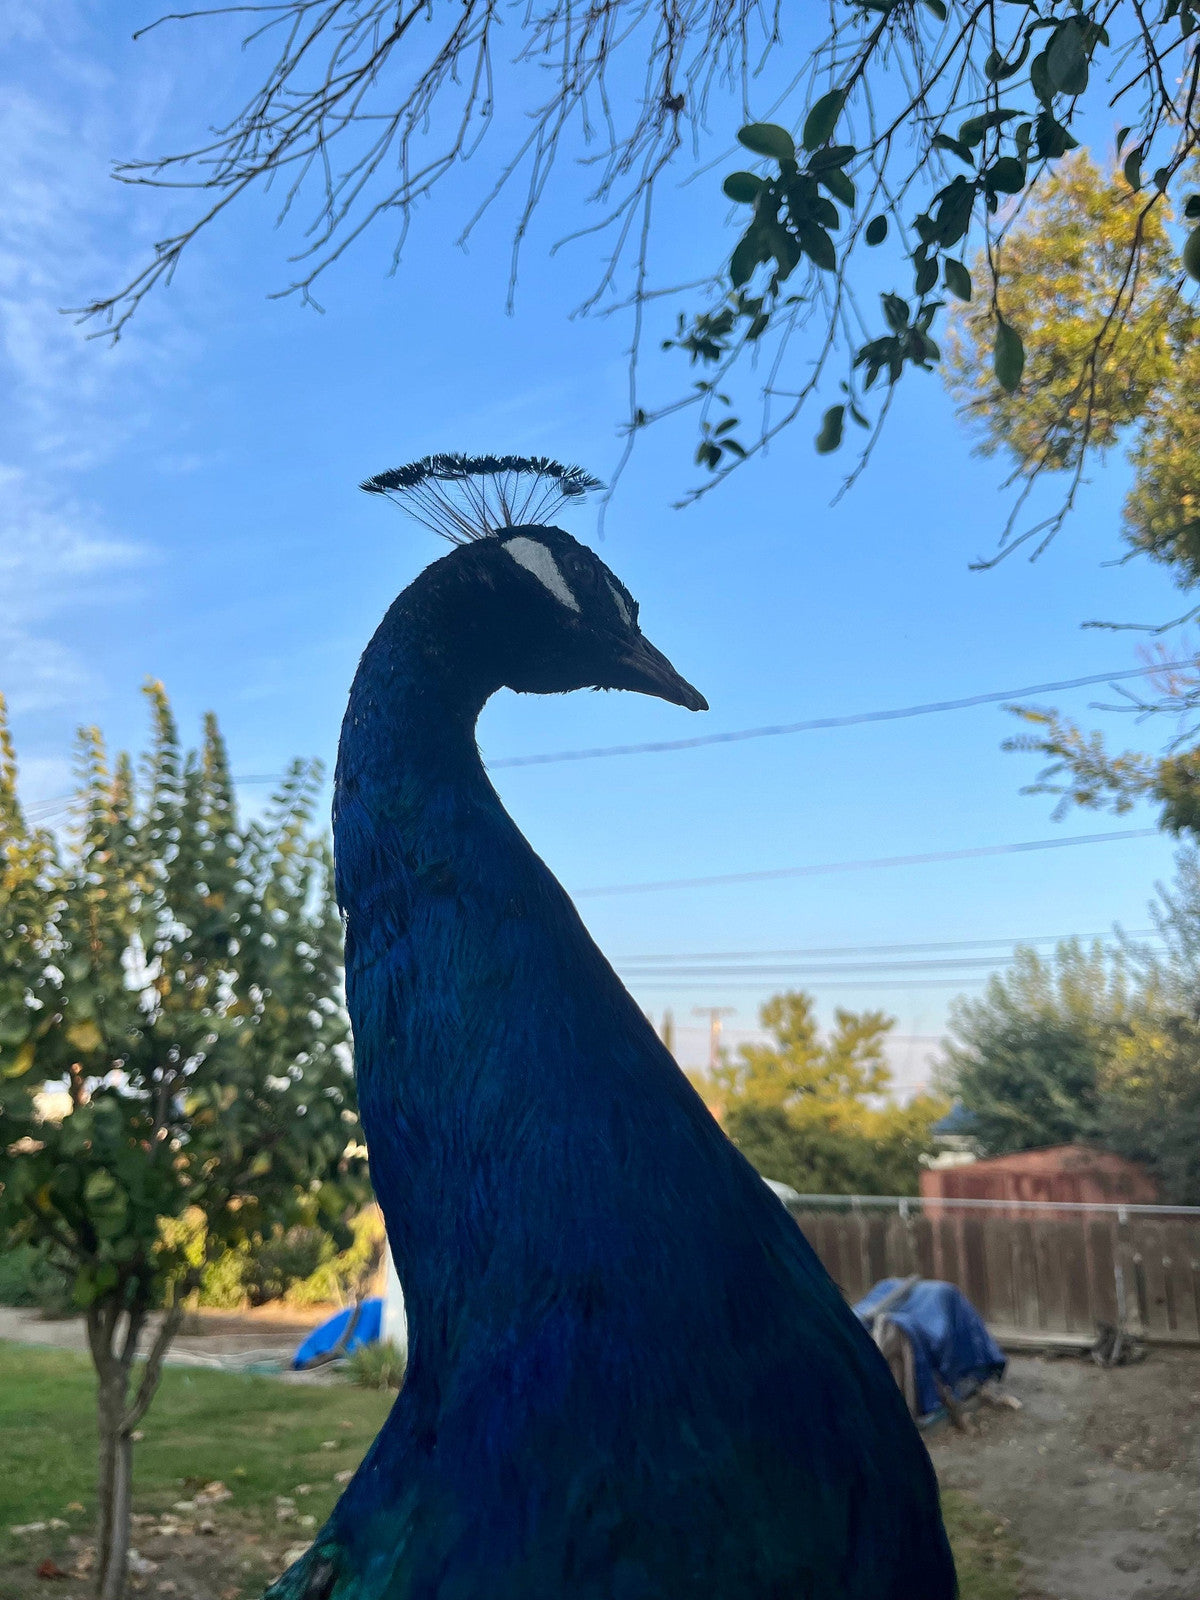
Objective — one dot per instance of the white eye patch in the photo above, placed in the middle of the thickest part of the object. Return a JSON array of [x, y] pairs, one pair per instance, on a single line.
[[619, 602], [534, 557]]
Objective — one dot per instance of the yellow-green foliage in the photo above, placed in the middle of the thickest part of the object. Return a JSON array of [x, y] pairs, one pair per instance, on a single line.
[[1089, 276], [300, 1265], [818, 1113]]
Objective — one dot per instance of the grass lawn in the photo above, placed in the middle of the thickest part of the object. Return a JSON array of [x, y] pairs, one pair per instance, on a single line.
[[262, 1439]]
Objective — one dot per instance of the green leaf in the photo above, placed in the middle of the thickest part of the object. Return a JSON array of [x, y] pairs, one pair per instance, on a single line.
[[876, 231], [832, 425], [19, 1063], [895, 310], [767, 139], [1039, 79], [973, 129], [746, 256], [1122, 135], [1132, 167], [926, 276], [938, 7], [1009, 356], [943, 141], [1067, 58], [742, 187], [1053, 139], [822, 119], [1191, 207], [1191, 255], [1005, 176], [833, 155], [998, 69], [839, 185], [957, 278], [818, 246]]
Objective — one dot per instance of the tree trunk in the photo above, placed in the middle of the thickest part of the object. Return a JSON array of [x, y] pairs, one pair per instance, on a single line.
[[117, 1417], [116, 1481]]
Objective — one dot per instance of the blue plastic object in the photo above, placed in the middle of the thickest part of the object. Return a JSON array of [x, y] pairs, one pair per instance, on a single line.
[[949, 1338], [328, 1335]]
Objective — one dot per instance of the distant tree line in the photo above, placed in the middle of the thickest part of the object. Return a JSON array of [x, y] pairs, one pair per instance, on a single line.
[[1100, 1045]]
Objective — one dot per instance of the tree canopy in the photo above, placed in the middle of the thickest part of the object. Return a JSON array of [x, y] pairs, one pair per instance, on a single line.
[[1092, 381], [903, 137], [1028, 1058], [819, 1113], [172, 1043]]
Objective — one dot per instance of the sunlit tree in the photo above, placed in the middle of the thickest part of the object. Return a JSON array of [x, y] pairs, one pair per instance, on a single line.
[[172, 975]]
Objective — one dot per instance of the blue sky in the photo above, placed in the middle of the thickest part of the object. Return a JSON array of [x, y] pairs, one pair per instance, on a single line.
[[184, 506]]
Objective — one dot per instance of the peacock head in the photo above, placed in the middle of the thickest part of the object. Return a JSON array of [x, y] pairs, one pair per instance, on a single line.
[[540, 612]]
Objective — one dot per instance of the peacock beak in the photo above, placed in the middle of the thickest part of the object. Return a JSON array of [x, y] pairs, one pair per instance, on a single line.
[[647, 671]]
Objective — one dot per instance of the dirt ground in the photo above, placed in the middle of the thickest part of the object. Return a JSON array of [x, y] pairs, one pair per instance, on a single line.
[[1098, 1474]]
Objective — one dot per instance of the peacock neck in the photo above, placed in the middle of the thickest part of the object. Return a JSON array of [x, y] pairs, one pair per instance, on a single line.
[[434, 880]]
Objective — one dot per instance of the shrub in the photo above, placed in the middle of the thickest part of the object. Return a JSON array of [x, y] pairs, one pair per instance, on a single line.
[[376, 1366]]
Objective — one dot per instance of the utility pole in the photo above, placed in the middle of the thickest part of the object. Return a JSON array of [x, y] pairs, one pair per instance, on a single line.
[[714, 1015]]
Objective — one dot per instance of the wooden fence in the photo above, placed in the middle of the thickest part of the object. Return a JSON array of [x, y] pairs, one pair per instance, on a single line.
[[1033, 1271]]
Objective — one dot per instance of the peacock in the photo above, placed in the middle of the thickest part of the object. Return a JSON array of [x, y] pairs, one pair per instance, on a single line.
[[629, 1376]]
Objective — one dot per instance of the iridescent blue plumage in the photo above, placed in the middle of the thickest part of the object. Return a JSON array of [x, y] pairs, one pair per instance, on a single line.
[[629, 1377]]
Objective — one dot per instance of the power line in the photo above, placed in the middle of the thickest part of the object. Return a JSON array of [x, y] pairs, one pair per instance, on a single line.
[[739, 735], [707, 985], [816, 724], [875, 949], [817, 869], [717, 972]]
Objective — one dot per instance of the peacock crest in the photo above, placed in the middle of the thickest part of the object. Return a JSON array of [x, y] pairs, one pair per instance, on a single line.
[[475, 497]]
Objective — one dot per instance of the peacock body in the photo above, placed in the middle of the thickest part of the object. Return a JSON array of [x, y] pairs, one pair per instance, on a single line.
[[629, 1377]]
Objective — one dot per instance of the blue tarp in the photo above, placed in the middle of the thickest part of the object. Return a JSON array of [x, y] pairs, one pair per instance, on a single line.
[[948, 1338], [326, 1337]]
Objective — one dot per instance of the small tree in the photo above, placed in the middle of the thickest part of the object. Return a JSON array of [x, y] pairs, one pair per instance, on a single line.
[[177, 972], [816, 1113], [1028, 1060]]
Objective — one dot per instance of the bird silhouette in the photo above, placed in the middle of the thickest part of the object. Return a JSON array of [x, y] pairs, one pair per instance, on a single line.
[[629, 1376]]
